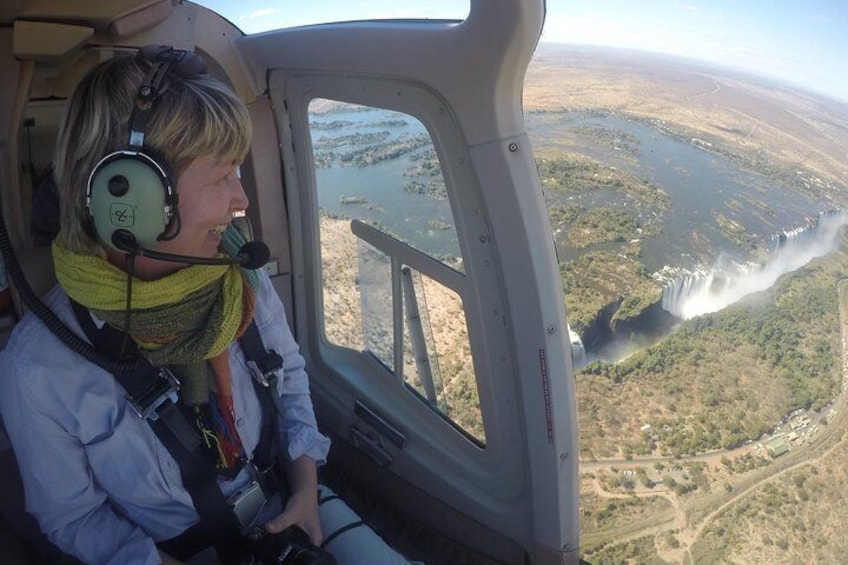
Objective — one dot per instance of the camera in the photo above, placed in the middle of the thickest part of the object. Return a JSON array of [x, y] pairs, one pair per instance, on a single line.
[[289, 547]]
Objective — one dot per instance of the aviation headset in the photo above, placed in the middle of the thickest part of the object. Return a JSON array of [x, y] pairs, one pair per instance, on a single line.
[[131, 196]]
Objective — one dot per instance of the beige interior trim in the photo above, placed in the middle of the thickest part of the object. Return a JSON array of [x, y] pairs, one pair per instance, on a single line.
[[47, 40], [137, 22]]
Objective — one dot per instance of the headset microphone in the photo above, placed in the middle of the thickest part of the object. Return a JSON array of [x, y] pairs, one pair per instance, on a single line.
[[251, 255]]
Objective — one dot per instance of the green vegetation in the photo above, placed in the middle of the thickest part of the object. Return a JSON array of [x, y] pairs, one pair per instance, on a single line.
[[352, 199], [792, 523], [329, 126], [724, 378], [598, 279], [611, 139], [563, 215], [610, 512], [720, 379], [736, 233], [607, 512], [371, 148], [744, 463], [426, 164], [376, 153], [434, 188], [641, 550], [599, 225], [577, 174], [351, 139], [594, 280]]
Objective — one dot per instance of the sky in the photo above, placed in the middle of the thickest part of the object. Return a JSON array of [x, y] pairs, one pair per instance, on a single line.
[[801, 42]]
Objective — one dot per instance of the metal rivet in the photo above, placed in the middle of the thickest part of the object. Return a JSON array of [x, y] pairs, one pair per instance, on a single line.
[[551, 329], [513, 147], [483, 239]]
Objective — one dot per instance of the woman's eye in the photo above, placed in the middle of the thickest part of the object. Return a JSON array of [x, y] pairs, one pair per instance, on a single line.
[[233, 175]]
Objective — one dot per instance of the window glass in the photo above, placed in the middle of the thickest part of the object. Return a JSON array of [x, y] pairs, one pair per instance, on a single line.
[[383, 206], [441, 368], [380, 167]]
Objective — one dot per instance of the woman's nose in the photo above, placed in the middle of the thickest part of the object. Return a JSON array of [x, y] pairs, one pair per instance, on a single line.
[[239, 200]]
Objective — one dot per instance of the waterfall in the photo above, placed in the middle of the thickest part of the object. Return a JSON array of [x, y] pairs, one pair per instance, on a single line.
[[683, 293], [578, 351], [688, 294]]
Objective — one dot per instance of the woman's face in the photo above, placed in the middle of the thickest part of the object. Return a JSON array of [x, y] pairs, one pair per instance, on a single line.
[[209, 192]]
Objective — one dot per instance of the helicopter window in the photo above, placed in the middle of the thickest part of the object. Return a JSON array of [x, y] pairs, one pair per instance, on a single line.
[[391, 267]]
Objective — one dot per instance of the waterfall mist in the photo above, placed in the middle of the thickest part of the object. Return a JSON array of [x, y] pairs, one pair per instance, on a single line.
[[693, 294]]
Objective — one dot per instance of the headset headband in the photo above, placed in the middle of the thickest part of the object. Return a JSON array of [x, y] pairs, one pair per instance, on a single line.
[[164, 60]]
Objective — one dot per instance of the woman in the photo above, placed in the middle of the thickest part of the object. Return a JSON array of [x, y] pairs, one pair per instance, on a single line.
[[97, 478]]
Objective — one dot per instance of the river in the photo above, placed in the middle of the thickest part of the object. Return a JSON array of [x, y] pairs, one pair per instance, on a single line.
[[700, 185]]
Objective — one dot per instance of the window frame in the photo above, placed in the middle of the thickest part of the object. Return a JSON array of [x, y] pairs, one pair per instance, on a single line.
[[340, 377]]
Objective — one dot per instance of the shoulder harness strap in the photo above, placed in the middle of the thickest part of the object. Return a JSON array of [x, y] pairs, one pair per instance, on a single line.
[[263, 365], [152, 394]]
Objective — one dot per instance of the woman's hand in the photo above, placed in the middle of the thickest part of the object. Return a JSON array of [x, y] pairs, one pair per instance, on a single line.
[[302, 505]]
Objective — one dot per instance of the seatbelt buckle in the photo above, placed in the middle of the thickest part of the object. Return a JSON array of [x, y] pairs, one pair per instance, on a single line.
[[164, 387], [247, 504], [249, 501]]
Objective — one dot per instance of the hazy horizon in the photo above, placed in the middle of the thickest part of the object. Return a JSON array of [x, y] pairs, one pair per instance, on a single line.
[[729, 70], [799, 43]]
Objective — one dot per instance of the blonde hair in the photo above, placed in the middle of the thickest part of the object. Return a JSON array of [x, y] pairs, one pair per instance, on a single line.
[[194, 116]]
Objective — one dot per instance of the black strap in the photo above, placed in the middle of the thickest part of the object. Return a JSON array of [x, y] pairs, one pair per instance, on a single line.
[[355, 524], [268, 360], [329, 539], [263, 365], [218, 525], [188, 544], [327, 498]]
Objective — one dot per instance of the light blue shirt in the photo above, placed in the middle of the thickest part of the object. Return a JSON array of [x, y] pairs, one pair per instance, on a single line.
[[99, 482]]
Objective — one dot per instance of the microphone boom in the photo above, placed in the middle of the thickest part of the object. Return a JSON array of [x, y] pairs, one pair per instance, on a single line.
[[252, 255]]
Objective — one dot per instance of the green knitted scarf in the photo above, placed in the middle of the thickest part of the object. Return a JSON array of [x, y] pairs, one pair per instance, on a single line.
[[184, 318]]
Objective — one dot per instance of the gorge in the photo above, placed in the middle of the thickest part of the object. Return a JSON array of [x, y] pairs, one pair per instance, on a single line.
[[689, 293]]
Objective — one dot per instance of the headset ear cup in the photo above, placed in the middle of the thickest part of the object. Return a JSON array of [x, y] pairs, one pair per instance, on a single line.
[[130, 191]]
